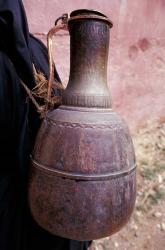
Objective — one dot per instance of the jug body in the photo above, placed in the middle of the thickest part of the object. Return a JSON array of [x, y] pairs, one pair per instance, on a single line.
[[83, 175]]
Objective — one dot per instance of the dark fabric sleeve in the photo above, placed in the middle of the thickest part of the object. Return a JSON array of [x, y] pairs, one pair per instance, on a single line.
[[13, 111], [14, 40]]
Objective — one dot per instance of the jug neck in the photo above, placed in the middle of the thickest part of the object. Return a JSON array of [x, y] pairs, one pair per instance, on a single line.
[[89, 44]]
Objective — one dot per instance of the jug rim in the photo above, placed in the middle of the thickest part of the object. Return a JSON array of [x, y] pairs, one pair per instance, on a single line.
[[89, 14], [86, 12]]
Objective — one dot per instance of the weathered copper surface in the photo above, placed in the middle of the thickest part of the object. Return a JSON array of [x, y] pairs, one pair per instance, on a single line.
[[82, 182]]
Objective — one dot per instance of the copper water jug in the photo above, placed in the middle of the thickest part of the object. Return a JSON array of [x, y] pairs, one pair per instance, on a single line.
[[83, 179]]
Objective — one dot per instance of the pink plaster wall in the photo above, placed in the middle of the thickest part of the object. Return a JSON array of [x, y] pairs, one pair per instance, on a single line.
[[136, 68]]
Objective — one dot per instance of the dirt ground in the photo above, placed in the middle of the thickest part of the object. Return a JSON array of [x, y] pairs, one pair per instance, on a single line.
[[146, 228]]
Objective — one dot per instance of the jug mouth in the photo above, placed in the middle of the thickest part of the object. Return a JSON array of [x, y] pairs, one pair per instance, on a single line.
[[86, 12], [89, 13]]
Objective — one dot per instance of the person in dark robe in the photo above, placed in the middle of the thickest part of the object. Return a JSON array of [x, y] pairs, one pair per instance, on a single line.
[[19, 123]]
